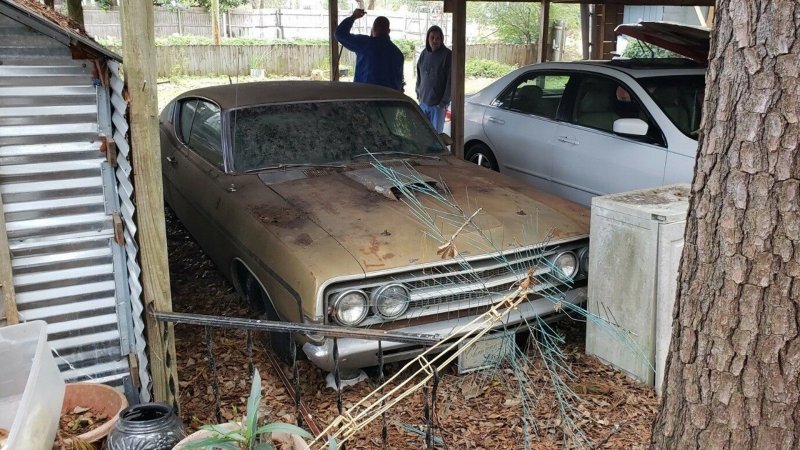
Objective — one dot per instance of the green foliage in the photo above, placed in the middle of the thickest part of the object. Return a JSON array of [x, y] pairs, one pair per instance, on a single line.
[[485, 68], [518, 22], [639, 49], [247, 436], [406, 46], [105, 5]]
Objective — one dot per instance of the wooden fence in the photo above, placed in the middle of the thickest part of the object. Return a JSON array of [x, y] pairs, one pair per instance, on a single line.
[[291, 60]]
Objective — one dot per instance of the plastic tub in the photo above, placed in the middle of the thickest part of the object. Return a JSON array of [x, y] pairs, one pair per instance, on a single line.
[[31, 387]]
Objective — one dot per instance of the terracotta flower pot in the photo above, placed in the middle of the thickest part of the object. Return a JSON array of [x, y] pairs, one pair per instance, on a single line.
[[100, 398]]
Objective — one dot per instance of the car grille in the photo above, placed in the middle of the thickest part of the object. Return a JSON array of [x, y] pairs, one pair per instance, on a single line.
[[454, 287]]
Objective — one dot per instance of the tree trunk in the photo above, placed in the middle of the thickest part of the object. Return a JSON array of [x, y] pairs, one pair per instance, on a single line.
[[215, 22], [734, 364], [75, 11]]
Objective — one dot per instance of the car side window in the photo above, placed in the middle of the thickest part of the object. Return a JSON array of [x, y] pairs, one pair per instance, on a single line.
[[205, 137], [534, 93], [187, 110], [600, 101]]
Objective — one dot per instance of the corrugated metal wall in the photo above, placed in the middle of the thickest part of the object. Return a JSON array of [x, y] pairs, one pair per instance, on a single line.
[[60, 196]]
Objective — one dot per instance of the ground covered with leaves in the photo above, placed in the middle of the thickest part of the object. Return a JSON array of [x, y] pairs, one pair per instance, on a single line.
[[476, 411]]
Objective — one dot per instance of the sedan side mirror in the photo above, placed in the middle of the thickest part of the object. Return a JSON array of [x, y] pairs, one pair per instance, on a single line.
[[631, 127], [446, 139]]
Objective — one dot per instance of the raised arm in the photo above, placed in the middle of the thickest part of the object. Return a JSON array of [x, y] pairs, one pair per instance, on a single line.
[[353, 42]]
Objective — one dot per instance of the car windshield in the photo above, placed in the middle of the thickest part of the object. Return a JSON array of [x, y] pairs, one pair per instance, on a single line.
[[327, 133], [680, 98]]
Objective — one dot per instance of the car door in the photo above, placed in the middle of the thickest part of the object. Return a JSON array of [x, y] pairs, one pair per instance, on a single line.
[[590, 158], [195, 168], [521, 125]]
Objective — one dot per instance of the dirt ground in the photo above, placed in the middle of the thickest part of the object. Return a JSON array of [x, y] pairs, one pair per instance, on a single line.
[[475, 411]]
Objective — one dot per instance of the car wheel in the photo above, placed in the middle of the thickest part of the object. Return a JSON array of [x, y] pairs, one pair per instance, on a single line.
[[482, 156], [279, 342]]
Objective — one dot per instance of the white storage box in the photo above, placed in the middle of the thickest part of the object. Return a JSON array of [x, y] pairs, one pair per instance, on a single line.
[[31, 387], [635, 246]]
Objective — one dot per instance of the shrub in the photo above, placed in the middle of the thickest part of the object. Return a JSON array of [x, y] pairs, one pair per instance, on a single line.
[[406, 46], [638, 49], [485, 68]]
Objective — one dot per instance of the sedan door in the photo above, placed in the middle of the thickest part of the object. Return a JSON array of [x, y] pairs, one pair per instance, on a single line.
[[194, 169], [521, 126], [591, 159]]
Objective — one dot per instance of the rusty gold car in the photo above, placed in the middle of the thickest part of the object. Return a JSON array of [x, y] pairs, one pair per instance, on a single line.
[[280, 184]]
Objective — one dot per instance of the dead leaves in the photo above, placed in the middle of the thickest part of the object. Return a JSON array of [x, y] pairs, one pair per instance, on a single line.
[[476, 411]]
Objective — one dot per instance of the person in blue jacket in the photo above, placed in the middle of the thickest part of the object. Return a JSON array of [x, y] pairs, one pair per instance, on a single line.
[[378, 60]]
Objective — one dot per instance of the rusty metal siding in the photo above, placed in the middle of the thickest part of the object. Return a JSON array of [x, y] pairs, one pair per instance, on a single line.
[[59, 194]]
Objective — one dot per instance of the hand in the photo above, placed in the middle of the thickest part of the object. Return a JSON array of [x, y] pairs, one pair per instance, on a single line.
[[358, 13]]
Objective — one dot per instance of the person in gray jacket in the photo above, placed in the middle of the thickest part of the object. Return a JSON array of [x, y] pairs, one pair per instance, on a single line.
[[433, 78]]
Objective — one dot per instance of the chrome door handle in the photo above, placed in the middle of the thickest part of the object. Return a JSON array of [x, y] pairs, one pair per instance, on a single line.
[[496, 120], [231, 188], [568, 140], [171, 160]]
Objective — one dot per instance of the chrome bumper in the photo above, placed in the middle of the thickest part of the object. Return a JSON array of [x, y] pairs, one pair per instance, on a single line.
[[358, 353]]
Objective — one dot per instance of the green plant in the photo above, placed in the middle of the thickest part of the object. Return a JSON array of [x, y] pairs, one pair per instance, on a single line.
[[485, 68], [257, 62], [638, 49], [406, 46], [248, 434]]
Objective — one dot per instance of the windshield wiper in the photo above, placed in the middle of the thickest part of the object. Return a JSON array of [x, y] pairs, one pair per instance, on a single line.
[[412, 155], [293, 165]]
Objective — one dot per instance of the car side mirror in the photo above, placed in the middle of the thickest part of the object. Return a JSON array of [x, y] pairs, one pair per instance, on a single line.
[[446, 139], [631, 127]]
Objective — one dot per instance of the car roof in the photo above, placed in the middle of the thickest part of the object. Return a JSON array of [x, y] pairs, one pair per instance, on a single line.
[[635, 67], [230, 96]]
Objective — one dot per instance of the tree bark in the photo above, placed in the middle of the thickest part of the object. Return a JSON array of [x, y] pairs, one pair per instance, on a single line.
[[75, 11], [733, 372]]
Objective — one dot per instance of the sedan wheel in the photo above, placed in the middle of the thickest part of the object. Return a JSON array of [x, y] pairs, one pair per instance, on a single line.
[[481, 155]]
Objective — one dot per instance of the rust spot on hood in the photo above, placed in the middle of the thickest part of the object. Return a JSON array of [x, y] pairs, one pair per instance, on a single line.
[[282, 217], [304, 240]]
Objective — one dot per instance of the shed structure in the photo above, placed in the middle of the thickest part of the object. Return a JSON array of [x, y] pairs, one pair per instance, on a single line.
[[68, 255]]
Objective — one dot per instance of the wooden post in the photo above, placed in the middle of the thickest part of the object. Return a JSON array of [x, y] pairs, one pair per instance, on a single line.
[[9, 311], [333, 22], [544, 30], [140, 78], [459, 10]]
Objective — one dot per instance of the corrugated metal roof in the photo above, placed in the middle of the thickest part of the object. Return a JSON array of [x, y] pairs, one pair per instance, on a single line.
[[52, 24]]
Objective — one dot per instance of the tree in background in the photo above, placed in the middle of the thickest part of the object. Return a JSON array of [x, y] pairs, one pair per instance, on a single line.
[[75, 11], [733, 374], [639, 49], [518, 22], [224, 5]]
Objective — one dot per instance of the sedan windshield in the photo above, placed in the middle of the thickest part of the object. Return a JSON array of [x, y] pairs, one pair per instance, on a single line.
[[327, 133], [680, 98]]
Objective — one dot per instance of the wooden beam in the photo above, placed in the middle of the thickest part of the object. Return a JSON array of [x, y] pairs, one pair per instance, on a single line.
[[544, 31], [336, 53], [457, 77], [139, 52], [9, 311], [627, 2]]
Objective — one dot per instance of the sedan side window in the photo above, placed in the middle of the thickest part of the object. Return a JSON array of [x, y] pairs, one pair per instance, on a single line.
[[206, 133], [599, 101], [186, 116], [533, 93]]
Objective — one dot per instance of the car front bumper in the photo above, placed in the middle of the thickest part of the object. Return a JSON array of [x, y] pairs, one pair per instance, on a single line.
[[358, 353]]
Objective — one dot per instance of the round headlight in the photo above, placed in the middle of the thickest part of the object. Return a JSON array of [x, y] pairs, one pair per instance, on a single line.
[[567, 263], [350, 308], [585, 261], [391, 300]]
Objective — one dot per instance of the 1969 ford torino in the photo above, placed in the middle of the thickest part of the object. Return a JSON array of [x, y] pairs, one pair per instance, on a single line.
[[276, 181]]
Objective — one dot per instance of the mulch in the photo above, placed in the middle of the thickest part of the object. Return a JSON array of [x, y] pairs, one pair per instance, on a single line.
[[475, 411]]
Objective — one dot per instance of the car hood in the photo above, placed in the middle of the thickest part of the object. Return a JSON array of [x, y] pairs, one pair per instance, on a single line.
[[691, 42], [360, 209]]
